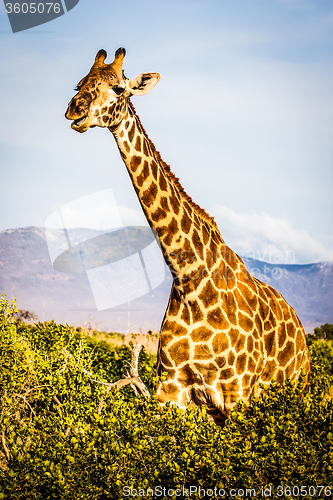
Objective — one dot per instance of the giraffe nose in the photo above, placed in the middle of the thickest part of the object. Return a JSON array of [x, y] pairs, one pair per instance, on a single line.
[[68, 113], [80, 101], [76, 108]]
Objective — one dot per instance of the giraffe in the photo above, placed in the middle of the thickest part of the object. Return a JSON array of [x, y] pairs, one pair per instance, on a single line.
[[224, 332]]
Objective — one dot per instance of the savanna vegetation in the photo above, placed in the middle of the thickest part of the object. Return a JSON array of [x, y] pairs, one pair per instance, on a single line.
[[66, 436]]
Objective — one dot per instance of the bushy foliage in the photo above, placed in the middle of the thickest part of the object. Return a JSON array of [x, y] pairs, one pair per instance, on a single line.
[[323, 332], [63, 436]]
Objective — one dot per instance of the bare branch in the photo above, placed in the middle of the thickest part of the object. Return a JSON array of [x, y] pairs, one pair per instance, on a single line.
[[3, 440], [85, 371], [135, 361], [127, 375], [26, 402], [56, 400], [100, 406], [37, 387], [134, 379]]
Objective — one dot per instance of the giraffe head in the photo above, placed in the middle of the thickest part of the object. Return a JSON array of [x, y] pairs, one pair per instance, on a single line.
[[103, 94]]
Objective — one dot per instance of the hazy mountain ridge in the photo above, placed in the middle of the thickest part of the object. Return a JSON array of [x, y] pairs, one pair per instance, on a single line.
[[26, 273]]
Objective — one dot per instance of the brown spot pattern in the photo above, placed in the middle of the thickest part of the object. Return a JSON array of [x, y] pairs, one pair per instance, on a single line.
[[231, 358], [173, 226], [197, 314], [131, 133], [230, 307], [209, 295], [174, 328], [240, 343], [220, 343], [220, 361], [286, 311], [201, 334], [242, 304], [164, 359], [291, 329], [250, 344], [208, 372], [186, 315], [138, 143], [197, 243], [286, 354], [145, 150], [165, 339], [180, 351], [135, 161], [244, 322], [158, 215], [154, 169], [164, 203], [234, 336], [241, 363], [202, 352], [162, 182], [185, 222], [174, 307], [217, 320], [148, 197], [205, 234], [270, 343], [143, 175], [227, 373], [218, 279], [174, 204], [282, 334]]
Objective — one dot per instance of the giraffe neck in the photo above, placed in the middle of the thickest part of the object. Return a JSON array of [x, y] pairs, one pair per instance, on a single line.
[[184, 230]]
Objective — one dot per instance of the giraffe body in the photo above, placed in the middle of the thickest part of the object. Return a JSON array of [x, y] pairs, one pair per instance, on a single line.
[[224, 331]]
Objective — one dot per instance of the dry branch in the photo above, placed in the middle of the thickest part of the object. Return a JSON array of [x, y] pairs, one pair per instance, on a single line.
[[26, 402], [3, 440], [133, 380]]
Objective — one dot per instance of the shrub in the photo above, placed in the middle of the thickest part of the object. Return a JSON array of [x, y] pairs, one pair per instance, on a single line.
[[324, 332], [60, 442]]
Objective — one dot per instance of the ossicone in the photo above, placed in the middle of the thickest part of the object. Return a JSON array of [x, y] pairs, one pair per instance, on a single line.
[[100, 56]]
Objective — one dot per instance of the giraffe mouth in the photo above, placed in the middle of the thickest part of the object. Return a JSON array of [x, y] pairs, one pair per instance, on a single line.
[[77, 124]]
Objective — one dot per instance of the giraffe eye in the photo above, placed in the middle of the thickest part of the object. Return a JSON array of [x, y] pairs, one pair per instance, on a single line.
[[118, 90]]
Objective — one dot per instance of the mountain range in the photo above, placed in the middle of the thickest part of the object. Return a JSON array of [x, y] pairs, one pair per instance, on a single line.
[[61, 289]]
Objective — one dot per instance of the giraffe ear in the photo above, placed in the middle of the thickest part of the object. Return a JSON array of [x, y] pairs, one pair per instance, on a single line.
[[142, 84]]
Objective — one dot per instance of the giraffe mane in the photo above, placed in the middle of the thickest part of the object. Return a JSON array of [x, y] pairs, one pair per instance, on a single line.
[[167, 169]]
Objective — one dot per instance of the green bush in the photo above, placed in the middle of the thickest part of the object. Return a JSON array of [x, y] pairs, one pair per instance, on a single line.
[[324, 332], [65, 437]]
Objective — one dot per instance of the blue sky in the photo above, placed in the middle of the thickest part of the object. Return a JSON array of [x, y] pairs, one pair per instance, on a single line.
[[242, 113]]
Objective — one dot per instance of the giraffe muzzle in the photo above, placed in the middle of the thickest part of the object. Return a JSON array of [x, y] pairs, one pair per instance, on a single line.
[[79, 123], [77, 111]]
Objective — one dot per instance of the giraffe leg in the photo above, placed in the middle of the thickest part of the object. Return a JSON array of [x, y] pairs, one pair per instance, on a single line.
[[220, 420], [202, 395], [181, 397]]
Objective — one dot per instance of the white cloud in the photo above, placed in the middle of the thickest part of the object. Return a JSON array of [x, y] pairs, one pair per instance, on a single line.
[[97, 211], [263, 237], [132, 217]]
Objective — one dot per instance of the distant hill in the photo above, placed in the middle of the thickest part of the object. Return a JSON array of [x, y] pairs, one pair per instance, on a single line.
[[26, 273]]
